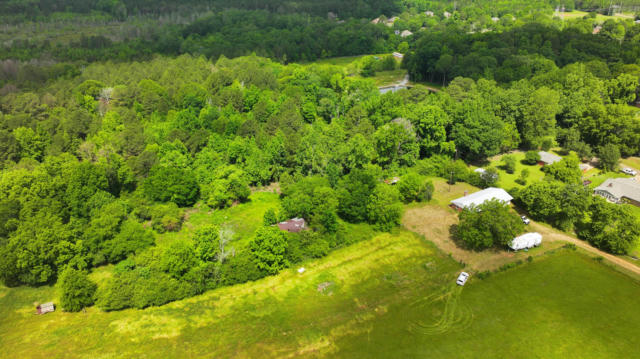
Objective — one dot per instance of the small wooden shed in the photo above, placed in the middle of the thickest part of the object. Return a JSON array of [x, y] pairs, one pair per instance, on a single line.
[[45, 308]]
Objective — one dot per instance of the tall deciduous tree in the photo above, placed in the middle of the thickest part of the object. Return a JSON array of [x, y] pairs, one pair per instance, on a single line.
[[491, 224], [77, 290], [539, 117], [269, 246]]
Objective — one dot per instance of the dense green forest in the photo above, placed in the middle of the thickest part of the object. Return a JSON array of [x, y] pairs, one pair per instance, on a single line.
[[105, 144]]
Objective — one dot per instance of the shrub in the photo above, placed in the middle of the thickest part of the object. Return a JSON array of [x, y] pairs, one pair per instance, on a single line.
[[269, 246], [489, 177], [270, 217], [509, 163], [413, 187], [531, 158], [522, 180], [166, 217], [567, 170], [384, 209], [77, 290]]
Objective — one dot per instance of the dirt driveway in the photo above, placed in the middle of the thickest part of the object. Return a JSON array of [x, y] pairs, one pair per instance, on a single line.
[[554, 235]]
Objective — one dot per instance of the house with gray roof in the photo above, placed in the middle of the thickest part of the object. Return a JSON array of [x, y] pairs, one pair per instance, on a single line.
[[547, 158], [620, 190]]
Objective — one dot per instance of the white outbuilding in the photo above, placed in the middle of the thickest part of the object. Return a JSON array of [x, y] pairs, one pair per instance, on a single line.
[[527, 240], [478, 198]]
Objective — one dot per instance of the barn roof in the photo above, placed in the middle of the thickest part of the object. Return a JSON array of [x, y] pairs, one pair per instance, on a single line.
[[478, 198], [293, 225]]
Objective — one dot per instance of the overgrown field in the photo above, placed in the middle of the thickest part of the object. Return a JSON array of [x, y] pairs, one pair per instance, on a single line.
[[392, 296]]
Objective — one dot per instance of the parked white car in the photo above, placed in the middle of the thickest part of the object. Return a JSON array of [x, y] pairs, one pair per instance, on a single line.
[[462, 278], [525, 220], [630, 171]]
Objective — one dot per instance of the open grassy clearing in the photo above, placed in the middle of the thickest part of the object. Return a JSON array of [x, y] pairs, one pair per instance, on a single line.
[[384, 78], [392, 296], [281, 316], [244, 218], [564, 305], [351, 66], [508, 180], [599, 17]]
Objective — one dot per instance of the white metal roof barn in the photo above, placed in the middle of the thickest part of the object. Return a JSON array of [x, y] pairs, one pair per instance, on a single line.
[[478, 198], [527, 240]]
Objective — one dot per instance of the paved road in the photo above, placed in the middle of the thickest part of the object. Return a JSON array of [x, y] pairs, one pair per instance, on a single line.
[[555, 235]]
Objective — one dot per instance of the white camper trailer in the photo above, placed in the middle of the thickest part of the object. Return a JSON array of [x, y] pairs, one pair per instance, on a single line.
[[527, 240]]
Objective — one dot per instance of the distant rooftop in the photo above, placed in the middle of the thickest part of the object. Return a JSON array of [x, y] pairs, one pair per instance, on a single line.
[[549, 158], [293, 225]]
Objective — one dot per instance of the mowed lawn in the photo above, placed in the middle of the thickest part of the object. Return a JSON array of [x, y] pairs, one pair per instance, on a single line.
[[508, 180], [565, 305]]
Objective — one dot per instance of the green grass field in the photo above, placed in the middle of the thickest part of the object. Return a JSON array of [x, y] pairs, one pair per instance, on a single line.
[[565, 305], [599, 17], [392, 296], [244, 218], [633, 162], [508, 180]]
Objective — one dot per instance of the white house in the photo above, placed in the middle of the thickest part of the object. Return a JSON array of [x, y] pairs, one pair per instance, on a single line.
[[527, 240], [478, 198]]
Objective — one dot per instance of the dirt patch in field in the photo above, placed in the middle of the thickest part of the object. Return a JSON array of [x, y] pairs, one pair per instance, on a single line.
[[435, 222]]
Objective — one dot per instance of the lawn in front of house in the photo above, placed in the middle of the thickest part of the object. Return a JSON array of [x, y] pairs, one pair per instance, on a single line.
[[508, 180]]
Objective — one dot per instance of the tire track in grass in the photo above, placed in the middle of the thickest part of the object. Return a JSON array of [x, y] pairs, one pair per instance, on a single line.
[[452, 316]]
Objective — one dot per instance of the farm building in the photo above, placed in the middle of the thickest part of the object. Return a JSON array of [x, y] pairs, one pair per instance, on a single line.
[[398, 55], [406, 33], [293, 225], [392, 181], [478, 198], [527, 240], [45, 308], [547, 158], [447, 14], [620, 190], [480, 170], [429, 13]]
